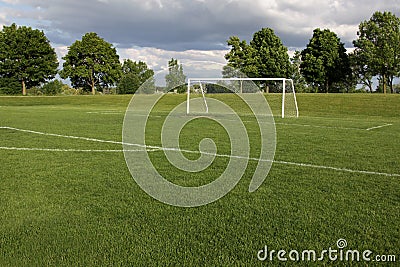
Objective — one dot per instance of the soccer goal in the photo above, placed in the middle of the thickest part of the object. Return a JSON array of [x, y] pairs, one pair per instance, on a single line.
[[285, 87]]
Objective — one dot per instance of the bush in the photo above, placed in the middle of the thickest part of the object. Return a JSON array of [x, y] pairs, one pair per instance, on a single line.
[[66, 90], [53, 88], [36, 91], [361, 90]]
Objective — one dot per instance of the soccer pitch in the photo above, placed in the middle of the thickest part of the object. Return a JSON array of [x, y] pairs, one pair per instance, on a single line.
[[67, 197]]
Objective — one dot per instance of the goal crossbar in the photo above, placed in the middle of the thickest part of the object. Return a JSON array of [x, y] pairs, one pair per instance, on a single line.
[[200, 80]]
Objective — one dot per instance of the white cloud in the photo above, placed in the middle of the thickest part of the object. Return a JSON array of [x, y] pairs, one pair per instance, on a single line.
[[3, 19], [156, 30], [195, 62], [200, 24], [11, 2], [61, 50]]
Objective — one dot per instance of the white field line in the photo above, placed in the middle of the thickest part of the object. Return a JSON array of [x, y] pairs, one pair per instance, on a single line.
[[309, 125], [74, 150], [298, 124], [63, 136], [355, 120], [380, 126], [337, 169], [156, 148], [330, 127], [315, 126], [105, 112], [320, 126], [327, 127]]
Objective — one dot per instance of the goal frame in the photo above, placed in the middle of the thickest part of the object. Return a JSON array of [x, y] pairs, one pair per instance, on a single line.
[[283, 80]]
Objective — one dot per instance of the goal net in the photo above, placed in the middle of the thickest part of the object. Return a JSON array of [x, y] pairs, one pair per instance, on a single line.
[[281, 86]]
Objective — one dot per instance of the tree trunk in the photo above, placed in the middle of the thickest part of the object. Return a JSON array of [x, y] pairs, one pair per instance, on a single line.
[[23, 88], [384, 83], [370, 86], [391, 84], [327, 86], [93, 88]]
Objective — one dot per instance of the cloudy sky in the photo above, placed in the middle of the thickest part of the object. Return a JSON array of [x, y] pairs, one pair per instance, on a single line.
[[156, 30]]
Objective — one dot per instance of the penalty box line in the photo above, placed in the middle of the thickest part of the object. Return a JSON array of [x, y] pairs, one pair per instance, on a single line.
[[157, 148], [308, 125], [380, 126]]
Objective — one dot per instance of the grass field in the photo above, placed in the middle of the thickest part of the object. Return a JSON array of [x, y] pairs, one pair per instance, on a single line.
[[67, 199]]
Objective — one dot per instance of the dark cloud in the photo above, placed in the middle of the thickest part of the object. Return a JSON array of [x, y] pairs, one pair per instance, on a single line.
[[179, 25]]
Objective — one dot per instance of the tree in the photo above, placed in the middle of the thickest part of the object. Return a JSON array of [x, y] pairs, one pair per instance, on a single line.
[[134, 75], [325, 63], [90, 63], [27, 56], [378, 44], [361, 71], [175, 79], [298, 79], [240, 59], [264, 57], [231, 72], [128, 84], [271, 56]]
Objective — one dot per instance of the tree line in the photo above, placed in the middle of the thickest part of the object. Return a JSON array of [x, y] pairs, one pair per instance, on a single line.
[[325, 65], [27, 60]]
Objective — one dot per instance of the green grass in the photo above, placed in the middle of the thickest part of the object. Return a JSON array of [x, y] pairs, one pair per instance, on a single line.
[[85, 209]]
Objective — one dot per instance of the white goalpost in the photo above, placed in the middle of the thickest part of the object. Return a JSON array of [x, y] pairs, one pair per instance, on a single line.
[[284, 86]]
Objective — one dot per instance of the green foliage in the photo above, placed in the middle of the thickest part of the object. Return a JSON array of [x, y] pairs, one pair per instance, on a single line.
[[135, 74], [240, 59], [271, 57], [383, 85], [26, 55], [325, 63], [10, 86], [213, 88], [66, 90], [264, 57], [148, 87], [34, 91], [128, 84], [91, 63], [53, 88], [378, 48], [299, 81], [361, 72], [232, 72], [175, 79]]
